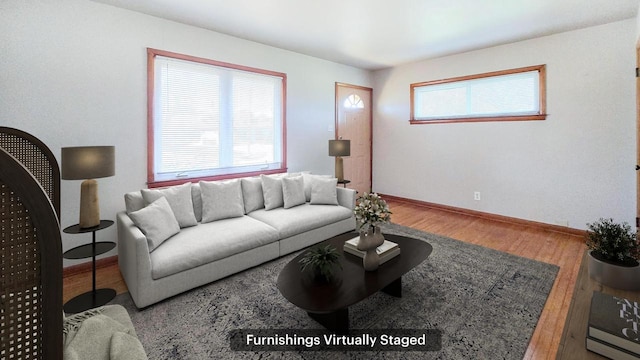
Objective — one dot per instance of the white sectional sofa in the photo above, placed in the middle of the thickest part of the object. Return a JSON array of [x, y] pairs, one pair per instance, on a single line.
[[178, 238]]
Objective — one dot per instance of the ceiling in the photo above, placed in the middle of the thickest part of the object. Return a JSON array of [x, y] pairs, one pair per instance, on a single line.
[[375, 34]]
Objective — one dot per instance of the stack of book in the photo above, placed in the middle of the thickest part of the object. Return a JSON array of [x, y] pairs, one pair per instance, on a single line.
[[387, 251], [614, 327]]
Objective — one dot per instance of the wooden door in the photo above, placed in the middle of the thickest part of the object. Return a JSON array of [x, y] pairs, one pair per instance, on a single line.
[[354, 122]]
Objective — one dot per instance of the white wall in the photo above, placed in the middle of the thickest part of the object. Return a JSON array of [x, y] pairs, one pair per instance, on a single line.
[[73, 72], [572, 168]]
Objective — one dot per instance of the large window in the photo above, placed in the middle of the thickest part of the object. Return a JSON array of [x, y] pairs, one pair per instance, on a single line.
[[208, 119], [511, 95]]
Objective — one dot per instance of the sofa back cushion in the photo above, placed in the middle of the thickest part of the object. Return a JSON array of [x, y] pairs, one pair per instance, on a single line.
[[221, 200], [293, 191], [324, 192], [196, 198], [179, 198], [272, 191], [133, 201], [252, 194], [309, 179]]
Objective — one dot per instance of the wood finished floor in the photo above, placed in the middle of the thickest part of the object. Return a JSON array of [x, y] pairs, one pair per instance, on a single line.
[[564, 250]]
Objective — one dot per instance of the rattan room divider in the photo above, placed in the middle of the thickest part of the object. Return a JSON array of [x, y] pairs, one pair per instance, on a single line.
[[33, 154], [31, 253]]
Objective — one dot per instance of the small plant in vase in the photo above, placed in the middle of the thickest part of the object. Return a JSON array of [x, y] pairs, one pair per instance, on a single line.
[[613, 242], [322, 260], [371, 211], [614, 252]]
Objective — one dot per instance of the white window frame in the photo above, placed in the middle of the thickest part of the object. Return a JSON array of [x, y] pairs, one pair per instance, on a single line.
[[155, 179], [539, 114]]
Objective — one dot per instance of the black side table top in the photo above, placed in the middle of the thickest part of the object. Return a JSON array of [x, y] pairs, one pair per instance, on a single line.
[[76, 229], [86, 250]]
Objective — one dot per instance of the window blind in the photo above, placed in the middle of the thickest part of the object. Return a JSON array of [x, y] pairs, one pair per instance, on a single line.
[[212, 120], [505, 95]]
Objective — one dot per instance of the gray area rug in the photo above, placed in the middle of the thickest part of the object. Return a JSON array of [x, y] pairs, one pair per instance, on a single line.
[[485, 302]]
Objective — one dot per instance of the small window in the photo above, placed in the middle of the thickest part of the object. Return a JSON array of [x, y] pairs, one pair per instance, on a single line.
[[353, 101], [509, 95], [212, 120]]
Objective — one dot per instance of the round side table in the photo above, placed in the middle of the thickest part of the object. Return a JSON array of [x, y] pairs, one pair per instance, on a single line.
[[95, 297]]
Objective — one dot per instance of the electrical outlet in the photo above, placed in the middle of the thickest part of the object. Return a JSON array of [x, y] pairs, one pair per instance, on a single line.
[[476, 195]]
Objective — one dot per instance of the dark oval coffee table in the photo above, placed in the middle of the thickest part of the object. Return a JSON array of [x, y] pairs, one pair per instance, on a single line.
[[328, 303]]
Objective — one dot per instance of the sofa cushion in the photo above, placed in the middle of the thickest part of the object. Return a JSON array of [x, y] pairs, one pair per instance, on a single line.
[[156, 222], [179, 198], [272, 191], [196, 198], [221, 200], [301, 218], [209, 242], [309, 179], [324, 192], [293, 191], [133, 201], [252, 194]]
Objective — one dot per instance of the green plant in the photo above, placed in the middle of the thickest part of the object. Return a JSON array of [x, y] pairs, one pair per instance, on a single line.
[[613, 242], [322, 260], [371, 210]]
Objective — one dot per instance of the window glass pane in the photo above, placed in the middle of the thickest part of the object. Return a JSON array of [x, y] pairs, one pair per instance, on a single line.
[[510, 94], [441, 101], [254, 119], [211, 120], [187, 128], [353, 101]]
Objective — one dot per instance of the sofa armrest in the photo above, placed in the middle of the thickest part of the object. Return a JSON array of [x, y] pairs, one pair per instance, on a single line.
[[347, 198], [133, 254]]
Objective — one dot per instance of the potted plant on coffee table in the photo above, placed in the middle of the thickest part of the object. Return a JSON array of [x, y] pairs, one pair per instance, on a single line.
[[323, 261], [613, 254]]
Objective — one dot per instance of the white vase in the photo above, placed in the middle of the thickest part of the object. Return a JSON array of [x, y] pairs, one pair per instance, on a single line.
[[615, 276]]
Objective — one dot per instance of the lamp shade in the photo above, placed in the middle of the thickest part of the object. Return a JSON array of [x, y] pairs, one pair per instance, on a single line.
[[339, 147], [88, 162]]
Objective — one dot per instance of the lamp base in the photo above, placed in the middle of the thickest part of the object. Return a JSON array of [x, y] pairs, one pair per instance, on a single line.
[[339, 168], [89, 204]]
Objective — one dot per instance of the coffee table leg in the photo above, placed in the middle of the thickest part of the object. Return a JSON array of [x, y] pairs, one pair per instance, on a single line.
[[337, 321], [395, 288]]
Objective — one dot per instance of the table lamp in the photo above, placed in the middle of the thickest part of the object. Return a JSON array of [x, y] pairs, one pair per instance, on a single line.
[[339, 148], [88, 163]]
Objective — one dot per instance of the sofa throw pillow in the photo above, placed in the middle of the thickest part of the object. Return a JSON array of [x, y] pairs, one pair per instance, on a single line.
[[221, 200], [252, 194], [293, 191], [308, 183], [324, 192], [156, 222], [272, 191], [179, 198]]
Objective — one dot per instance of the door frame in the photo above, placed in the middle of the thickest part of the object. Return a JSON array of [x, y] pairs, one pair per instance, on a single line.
[[336, 126], [637, 134]]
